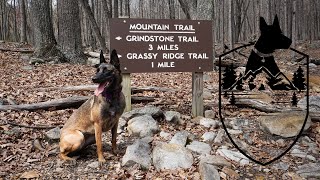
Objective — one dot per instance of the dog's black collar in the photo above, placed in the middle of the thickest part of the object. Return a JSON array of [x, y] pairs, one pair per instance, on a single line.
[[263, 55]]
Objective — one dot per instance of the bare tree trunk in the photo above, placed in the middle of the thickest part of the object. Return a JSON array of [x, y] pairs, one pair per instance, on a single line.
[[230, 24], [116, 8], [141, 5], [110, 8], [4, 20], [185, 8], [23, 29], [223, 23], [86, 8], [294, 27], [214, 30], [70, 31], [121, 8], [45, 42], [171, 9], [106, 9], [127, 8], [15, 21]]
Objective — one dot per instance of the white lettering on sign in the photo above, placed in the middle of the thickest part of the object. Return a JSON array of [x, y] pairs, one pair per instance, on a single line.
[[166, 64], [179, 27], [188, 39], [157, 27], [166, 47], [142, 55], [173, 55], [146, 38], [198, 56]]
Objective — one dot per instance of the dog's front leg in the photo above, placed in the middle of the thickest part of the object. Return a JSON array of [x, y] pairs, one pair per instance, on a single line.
[[114, 137], [98, 135]]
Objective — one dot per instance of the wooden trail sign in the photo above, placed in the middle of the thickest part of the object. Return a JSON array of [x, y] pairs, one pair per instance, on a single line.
[[154, 45]]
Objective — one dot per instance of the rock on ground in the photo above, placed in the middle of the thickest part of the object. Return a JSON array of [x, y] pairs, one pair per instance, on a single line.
[[281, 166], [93, 165], [165, 135], [207, 95], [153, 111], [139, 152], [121, 125], [207, 122], [314, 103], [231, 174], [171, 156], [215, 160], [208, 136], [301, 154], [285, 124], [209, 114], [180, 138], [219, 137], [208, 172], [173, 117], [143, 126], [311, 170], [199, 147], [53, 134], [234, 156]]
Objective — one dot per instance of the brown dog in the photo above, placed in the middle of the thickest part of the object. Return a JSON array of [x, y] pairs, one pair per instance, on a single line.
[[98, 114]]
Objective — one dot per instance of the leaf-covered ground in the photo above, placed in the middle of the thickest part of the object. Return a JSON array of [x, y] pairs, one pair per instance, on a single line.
[[25, 151]]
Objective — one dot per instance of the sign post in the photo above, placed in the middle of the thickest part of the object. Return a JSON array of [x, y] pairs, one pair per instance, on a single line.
[[158, 45]]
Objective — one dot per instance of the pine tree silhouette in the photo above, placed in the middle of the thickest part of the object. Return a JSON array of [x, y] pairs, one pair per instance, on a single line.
[[299, 80], [229, 77], [240, 83], [251, 84], [294, 100], [232, 99], [261, 87]]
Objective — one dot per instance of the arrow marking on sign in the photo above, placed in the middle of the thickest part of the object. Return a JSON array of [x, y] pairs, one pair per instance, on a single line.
[[118, 38]]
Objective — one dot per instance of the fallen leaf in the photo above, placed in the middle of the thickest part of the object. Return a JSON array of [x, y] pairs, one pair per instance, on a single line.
[[29, 175], [5, 128]]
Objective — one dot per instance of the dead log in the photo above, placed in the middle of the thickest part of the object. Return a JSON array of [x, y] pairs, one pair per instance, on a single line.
[[257, 105], [142, 99], [150, 88], [315, 116], [93, 87], [70, 88], [64, 103], [95, 54], [22, 50]]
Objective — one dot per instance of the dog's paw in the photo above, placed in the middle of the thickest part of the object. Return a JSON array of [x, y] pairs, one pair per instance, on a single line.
[[101, 161]]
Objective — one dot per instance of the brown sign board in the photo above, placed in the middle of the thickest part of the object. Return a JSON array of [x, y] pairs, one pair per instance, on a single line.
[[154, 45]]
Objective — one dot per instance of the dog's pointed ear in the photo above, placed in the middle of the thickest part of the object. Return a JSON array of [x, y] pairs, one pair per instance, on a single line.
[[114, 59], [276, 23], [263, 24], [102, 59]]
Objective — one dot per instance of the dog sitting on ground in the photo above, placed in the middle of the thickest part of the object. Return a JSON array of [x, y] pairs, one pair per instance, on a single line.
[[271, 39], [98, 114]]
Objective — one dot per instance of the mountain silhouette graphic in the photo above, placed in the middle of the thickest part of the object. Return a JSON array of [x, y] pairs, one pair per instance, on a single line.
[[278, 82]]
